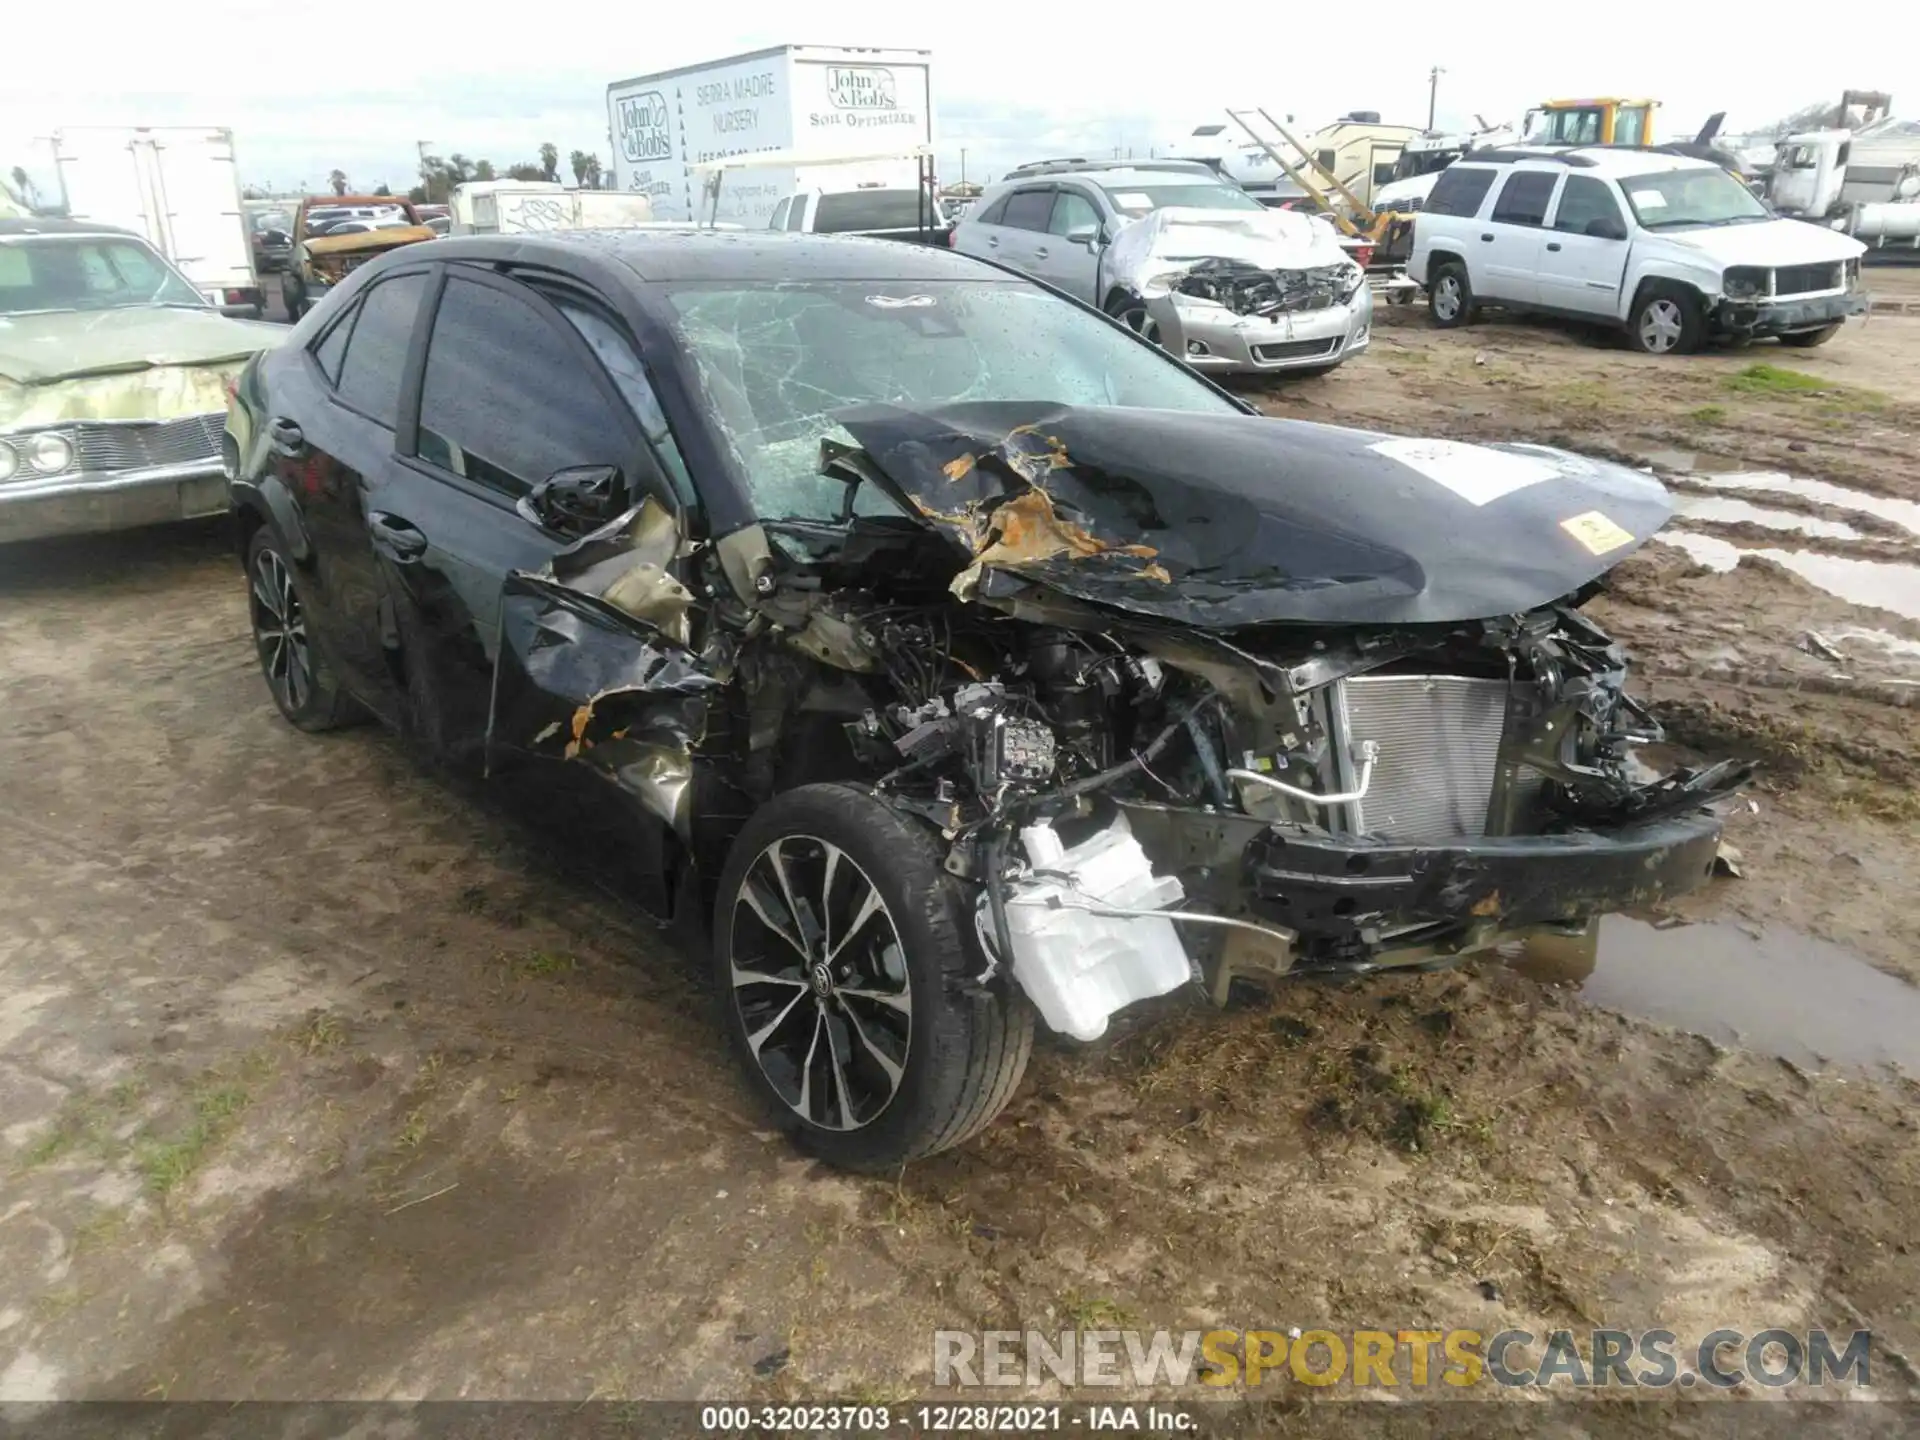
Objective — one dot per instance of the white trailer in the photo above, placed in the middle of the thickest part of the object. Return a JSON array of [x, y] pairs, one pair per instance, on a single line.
[[826, 100], [177, 185]]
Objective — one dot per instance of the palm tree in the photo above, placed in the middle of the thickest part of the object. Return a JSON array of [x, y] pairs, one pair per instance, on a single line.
[[483, 170], [578, 160], [338, 180], [550, 161], [593, 172], [24, 187]]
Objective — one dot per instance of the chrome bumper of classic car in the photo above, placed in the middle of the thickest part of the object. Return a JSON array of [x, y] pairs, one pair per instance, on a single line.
[[121, 475]]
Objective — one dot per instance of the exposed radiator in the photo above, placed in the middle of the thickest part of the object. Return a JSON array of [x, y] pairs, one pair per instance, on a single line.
[[1439, 739]]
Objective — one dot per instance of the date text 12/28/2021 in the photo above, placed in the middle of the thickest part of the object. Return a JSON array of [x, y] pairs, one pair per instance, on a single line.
[[963, 1419]]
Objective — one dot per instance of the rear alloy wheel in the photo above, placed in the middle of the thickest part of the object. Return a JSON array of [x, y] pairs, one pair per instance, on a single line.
[[1666, 322], [296, 673], [841, 949], [1132, 313], [1450, 297], [1807, 339]]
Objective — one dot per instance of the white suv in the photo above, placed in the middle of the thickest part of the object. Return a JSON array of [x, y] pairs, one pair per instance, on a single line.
[[1674, 250]]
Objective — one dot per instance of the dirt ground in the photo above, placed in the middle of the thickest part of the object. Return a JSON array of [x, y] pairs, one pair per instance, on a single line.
[[322, 1078]]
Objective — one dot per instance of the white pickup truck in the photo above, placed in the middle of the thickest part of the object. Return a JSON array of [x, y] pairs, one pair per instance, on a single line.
[[1670, 249], [178, 186]]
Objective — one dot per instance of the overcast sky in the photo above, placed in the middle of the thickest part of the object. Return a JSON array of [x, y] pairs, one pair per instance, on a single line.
[[307, 87]]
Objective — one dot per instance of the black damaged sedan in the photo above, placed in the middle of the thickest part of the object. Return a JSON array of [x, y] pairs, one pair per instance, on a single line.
[[940, 653]]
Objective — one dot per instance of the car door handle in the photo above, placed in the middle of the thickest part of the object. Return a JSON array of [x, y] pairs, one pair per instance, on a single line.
[[1486, 237], [1040, 252], [993, 242], [395, 538], [1553, 244], [285, 437]]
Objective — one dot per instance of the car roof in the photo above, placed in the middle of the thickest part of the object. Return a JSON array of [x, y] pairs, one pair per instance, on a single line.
[[1118, 174], [1612, 161], [54, 225], [751, 255]]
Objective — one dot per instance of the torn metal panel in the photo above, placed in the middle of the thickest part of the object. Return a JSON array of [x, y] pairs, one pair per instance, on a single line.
[[576, 679], [625, 563], [1223, 520]]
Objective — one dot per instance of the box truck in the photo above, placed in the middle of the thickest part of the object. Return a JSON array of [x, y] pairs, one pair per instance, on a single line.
[[820, 101], [178, 186]]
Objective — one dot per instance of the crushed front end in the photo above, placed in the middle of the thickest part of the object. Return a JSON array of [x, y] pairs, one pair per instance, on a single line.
[[1185, 697], [1297, 801], [1237, 291]]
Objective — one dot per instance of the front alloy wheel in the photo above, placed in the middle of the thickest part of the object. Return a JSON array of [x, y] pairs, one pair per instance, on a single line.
[[819, 980], [1132, 313], [852, 983]]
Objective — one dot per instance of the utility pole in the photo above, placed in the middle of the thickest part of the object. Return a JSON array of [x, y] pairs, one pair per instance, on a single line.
[[1433, 93], [963, 164]]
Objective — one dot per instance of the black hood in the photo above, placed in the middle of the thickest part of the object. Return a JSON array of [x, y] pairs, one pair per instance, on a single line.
[[1222, 520]]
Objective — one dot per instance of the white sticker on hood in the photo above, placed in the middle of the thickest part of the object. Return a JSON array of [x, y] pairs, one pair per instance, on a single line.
[[1473, 472]]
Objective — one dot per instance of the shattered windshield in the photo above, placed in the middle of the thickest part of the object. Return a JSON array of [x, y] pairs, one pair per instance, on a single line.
[[777, 362], [1706, 196], [50, 272]]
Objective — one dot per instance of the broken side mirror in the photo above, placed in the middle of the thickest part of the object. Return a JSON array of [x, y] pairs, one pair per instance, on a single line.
[[1606, 227], [1088, 237], [573, 501]]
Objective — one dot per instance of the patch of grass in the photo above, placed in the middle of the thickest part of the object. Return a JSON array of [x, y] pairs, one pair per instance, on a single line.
[[878, 1392], [100, 1231], [168, 1163], [322, 1032], [84, 1122], [1095, 1313], [1764, 379], [414, 1129], [546, 962], [1585, 395], [1708, 414]]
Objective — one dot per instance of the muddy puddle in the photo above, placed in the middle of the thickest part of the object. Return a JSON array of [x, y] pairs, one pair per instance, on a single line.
[[1872, 583], [1733, 511], [1766, 989], [1904, 513]]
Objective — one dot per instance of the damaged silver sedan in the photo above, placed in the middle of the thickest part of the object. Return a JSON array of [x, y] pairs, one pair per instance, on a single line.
[[941, 655], [1242, 292]]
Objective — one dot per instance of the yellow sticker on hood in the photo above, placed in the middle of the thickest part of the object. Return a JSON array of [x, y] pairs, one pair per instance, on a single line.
[[1597, 532]]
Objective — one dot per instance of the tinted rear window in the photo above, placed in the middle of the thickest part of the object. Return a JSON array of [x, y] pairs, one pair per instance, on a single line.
[[1523, 199], [1028, 209], [869, 210], [1459, 190], [377, 352]]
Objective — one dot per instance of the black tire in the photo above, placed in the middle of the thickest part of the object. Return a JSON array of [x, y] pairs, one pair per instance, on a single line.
[[1450, 296], [959, 1050], [297, 674], [1807, 339], [1666, 320], [1131, 311]]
